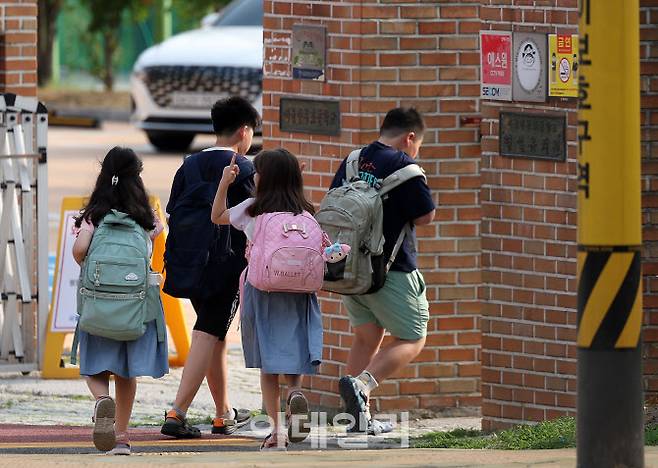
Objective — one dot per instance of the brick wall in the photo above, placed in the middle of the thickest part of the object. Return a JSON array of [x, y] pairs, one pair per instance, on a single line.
[[382, 54], [528, 250], [18, 47], [649, 102]]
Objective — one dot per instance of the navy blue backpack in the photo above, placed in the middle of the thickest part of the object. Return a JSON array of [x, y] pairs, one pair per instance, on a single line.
[[198, 257]]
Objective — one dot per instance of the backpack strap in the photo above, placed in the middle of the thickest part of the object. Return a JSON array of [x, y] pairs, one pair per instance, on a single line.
[[406, 231], [156, 313], [74, 345], [160, 327], [400, 176], [352, 165], [394, 180]]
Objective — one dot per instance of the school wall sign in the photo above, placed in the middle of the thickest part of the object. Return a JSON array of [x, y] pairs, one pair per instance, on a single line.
[[496, 63]]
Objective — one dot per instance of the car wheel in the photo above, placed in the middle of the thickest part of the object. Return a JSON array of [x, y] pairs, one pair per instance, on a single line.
[[170, 141]]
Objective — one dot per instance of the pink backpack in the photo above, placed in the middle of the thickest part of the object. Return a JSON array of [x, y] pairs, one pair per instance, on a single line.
[[286, 253]]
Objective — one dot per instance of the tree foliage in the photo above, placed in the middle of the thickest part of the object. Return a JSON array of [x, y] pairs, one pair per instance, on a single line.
[[47, 31], [192, 11], [105, 22]]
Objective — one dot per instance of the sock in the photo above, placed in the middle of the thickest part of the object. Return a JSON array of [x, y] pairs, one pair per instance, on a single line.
[[179, 412], [230, 414], [368, 380]]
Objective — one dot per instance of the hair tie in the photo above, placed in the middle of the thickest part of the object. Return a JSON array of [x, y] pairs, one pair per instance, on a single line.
[[115, 180]]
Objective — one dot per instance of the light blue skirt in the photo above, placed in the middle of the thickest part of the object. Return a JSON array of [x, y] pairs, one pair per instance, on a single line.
[[281, 332], [143, 357]]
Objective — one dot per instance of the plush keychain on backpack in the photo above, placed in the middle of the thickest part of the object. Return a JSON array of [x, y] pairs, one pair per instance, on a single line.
[[336, 257], [336, 253]]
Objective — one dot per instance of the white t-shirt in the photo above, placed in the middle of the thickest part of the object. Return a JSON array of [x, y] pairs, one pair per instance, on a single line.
[[240, 219]]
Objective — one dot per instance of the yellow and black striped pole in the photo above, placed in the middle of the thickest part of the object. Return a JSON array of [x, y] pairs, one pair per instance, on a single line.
[[610, 399]]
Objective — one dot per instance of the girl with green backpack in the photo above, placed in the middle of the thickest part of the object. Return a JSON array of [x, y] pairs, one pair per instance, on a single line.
[[121, 325]]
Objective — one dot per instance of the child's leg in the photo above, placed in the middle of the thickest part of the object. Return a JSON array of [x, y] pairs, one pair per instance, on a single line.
[[293, 382], [125, 396], [104, 411], [297, 416], [99, 384], [217, 378], [269, 385], [195, 370]]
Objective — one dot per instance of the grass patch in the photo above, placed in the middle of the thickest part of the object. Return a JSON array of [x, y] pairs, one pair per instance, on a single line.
[[560, 433], [651, 435]]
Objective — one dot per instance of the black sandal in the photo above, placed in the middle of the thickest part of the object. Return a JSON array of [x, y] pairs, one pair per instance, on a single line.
[[177, 427]]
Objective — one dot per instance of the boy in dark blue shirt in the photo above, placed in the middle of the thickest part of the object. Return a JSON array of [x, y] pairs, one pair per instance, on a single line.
[[234, 120], [401, 306]]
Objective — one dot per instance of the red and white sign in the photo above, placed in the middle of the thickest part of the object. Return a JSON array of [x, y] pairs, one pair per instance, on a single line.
[[496, 65]]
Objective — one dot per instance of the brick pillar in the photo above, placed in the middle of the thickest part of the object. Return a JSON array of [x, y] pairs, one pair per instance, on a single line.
[[382, 54], [18, 47], [528, 251], [649, 90]]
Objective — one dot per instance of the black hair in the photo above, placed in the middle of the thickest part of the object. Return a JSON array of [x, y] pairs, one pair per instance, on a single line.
[[402, 120], [232, 113], [119, 186], [280, 184]]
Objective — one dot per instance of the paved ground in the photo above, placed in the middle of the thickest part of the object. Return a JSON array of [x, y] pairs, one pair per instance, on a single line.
[[30, 400], [305, 459]]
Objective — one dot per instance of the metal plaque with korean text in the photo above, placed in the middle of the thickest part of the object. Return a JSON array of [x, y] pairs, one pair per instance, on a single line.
[[536, 136], [315, 116]]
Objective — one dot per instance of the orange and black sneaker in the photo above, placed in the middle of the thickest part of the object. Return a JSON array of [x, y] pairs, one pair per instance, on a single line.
[[176, 426], [227, 426]]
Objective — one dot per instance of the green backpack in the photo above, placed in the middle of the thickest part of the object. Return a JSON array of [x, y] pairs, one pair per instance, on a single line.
[[115, 299]]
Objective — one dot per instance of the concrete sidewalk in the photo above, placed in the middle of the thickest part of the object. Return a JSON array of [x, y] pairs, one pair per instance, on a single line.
[[365, 458]]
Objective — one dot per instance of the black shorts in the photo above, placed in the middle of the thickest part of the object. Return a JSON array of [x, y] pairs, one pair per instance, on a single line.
[[215, 313]]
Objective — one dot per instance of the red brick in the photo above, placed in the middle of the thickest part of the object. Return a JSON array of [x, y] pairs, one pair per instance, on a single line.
[[459, 11]]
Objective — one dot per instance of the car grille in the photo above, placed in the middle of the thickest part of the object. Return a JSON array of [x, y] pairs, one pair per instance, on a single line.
[[164, 82]]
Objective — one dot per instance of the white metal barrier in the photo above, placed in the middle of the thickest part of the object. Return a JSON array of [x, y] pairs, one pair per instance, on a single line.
[[23, 232]]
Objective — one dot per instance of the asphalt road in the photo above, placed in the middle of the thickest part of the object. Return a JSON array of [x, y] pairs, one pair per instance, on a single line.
[[74, 155]]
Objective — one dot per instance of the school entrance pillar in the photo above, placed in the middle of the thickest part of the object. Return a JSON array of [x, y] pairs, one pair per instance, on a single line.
[[331, 72]]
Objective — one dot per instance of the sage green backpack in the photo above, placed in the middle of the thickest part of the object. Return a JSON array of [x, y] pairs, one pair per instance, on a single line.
[[114, 297]]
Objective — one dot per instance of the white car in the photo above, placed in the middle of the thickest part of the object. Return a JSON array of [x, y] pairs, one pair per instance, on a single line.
[[174, 84]]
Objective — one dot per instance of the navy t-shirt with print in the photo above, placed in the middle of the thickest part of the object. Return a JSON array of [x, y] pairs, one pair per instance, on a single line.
[[212, 162], [407, 202]]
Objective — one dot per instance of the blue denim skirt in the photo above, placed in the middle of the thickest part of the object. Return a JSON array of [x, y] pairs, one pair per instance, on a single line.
[[281, 332]]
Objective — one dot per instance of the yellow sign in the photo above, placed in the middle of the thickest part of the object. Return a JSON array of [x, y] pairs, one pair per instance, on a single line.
[[609, 203], [61, 320], [563, 69], [609, 128]]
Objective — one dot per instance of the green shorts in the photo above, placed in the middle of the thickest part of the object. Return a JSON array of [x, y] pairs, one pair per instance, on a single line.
[[400, 307]]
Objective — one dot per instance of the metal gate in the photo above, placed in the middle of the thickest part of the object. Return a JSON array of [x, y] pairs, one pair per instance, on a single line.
[[23, 232]]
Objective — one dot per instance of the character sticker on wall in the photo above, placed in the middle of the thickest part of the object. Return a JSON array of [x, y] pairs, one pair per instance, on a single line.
[[529, 67], [309, 52]]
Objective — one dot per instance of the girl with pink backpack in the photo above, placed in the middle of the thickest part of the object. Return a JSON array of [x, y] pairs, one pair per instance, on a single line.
[[280, 316]]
